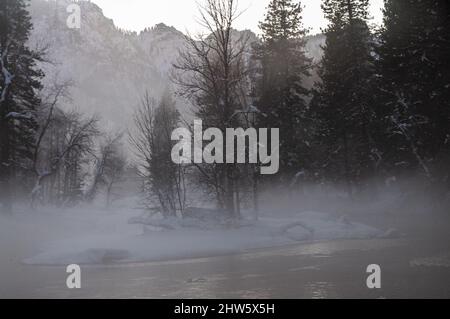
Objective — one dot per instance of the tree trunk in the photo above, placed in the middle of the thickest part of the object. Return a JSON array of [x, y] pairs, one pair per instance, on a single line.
[[5, 169]]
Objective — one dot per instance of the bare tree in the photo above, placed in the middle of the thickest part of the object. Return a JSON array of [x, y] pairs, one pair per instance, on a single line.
[[114, 174], [64, 140], [213, 74], [164, 181], [109, 168]]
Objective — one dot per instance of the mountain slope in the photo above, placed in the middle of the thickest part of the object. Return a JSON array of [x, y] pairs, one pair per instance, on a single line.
[[110, 68]]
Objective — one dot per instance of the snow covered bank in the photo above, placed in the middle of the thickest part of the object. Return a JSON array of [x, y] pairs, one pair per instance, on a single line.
[[127, 243]]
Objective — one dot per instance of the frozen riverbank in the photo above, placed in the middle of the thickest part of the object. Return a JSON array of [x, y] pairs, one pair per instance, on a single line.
[[107, 237], [304, 269]]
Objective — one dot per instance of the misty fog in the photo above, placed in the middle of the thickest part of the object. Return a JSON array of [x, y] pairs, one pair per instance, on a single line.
[[89, 115]]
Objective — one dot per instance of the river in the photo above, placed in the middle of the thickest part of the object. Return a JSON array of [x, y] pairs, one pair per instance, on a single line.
[[411, 268]]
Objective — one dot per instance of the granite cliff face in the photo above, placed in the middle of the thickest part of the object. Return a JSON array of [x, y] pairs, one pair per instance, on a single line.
[[110, 68]]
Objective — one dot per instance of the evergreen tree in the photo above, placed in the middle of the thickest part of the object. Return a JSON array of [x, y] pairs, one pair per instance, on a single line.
[[343, 101], [19, 81], [414, 71], [281, 96]]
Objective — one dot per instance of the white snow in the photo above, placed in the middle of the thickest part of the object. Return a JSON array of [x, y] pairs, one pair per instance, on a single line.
[[107, 237], [19, 116]]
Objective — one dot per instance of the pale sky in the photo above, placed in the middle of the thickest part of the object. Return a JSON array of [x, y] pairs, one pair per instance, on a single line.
[[136, 15]]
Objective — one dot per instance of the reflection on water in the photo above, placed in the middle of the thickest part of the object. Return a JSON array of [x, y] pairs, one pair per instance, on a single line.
[[255, 294], [441, 260], [325, 249], [320, 290]]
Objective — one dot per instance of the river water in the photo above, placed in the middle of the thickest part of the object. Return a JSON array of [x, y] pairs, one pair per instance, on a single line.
[[411, 268]]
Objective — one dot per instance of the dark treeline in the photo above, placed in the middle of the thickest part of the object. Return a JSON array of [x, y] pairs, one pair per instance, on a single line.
[[380, 109], [382, 106]]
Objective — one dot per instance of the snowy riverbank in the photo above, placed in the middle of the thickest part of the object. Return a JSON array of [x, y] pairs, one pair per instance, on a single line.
[[104, 237]]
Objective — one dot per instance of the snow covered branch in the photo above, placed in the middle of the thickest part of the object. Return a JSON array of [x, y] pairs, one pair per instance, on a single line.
[[19, 116], [404, 131], [7, 76]]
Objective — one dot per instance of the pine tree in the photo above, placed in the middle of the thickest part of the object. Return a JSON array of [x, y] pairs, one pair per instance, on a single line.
[[280, 92], [414, 72], [19, 81], [343, 103]]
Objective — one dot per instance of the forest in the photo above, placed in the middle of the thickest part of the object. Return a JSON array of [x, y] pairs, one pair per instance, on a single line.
[[378, 114]]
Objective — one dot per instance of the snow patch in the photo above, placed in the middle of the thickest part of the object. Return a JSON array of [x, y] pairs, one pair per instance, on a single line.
[[180, 240]]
